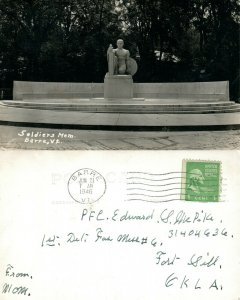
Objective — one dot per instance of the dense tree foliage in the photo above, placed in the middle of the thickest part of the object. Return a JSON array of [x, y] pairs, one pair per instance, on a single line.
[[173, 40]]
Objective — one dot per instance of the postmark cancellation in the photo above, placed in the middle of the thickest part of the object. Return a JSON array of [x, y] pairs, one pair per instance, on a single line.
[[86, 186]]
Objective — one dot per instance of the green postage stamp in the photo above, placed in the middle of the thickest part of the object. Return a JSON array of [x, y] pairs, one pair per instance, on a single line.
[[201, 180]]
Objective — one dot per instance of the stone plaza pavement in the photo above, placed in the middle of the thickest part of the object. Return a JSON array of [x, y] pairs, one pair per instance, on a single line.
[[61, 130], [12, 137]]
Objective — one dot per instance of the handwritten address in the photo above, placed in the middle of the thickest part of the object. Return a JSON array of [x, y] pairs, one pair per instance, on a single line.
[[170, 224]]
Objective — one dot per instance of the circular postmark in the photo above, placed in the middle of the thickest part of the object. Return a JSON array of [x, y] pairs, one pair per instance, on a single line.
[[86, 186]]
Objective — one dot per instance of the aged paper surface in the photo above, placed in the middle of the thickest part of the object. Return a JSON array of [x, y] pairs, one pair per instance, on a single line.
[[110, 225]]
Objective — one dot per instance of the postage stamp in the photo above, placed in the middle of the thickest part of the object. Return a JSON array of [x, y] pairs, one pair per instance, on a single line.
[[86, 186], [201, 180]]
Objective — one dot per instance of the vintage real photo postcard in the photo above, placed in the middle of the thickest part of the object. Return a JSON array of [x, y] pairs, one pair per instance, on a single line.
[[151, 88]]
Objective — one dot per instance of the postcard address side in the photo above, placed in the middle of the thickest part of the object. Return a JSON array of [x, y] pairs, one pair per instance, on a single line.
[[53, 246]]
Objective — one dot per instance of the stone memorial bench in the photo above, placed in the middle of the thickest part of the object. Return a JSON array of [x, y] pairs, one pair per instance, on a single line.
[[189, 91], [211, 91], [26, 90]]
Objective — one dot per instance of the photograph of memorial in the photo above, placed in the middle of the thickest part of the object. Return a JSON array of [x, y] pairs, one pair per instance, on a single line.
[[119, 75]]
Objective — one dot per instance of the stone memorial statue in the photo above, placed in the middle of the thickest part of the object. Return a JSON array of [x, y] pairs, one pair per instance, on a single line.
[[118, 82], [119, 60]]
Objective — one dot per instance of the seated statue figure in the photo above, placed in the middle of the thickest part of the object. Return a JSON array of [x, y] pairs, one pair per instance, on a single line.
[[119, 60]]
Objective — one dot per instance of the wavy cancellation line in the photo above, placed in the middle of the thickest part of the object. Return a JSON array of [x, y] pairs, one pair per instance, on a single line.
[[157, 185], [159, 191], [154, 174], [160, 200], [155, 201], [164, 179], [161, 174], [128, 178], [152, 196], [166, 190]]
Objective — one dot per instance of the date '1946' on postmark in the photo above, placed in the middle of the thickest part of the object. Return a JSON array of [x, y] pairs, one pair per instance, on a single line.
[[86, 186]]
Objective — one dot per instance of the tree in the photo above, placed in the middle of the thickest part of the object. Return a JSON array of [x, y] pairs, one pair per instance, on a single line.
[[177, 40]]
